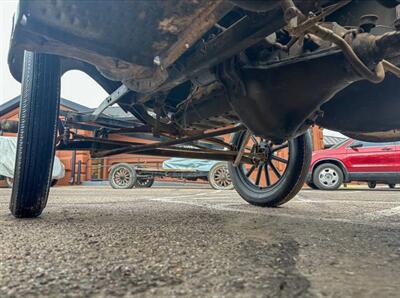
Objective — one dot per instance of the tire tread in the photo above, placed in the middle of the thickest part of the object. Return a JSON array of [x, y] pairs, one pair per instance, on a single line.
[[39, 109]]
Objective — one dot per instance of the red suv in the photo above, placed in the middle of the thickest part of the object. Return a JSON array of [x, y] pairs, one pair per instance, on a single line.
[[354, 160]]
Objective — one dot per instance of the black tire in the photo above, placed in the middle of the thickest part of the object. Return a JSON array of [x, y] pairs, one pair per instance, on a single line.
[[219, 177], [122, 176], [311, 185], [392, 186], [328, 170], [38, 117], [144, 182], [371, 184], [290, 183]]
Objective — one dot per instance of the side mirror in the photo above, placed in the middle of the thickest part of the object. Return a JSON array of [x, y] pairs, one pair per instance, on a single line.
[[356, 145]]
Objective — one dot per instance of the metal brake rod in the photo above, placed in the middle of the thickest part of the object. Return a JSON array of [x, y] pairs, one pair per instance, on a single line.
[[240, 154], [222, 155]]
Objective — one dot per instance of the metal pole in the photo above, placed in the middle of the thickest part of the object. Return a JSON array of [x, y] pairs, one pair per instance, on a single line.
[[73, 161], [87, 170], [79, 173]]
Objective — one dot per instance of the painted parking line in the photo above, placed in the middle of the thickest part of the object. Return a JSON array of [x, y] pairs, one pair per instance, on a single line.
[[341, 192], [212, 197], [231, 207], [337, 191], [121, 200], [383, 213], [344, 201], [217, 196]]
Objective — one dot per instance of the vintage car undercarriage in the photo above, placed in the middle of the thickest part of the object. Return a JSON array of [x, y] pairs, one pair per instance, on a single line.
[[192, 70]]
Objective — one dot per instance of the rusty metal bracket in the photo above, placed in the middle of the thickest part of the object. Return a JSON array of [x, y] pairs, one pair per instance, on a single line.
[[230, 77], [110, 100], [306, 22]]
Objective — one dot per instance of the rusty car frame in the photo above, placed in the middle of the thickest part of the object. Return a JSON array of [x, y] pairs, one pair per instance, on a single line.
[[189, 71]]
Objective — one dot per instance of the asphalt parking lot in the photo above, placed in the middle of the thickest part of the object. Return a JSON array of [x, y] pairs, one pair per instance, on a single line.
[[101, 242]]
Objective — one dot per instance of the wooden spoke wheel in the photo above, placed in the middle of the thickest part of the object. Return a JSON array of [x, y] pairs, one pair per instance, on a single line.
[[144, 182], [219, 177], [278, 171], [122, 176]]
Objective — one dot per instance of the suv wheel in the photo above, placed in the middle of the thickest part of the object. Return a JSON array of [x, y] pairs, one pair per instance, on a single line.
[[392, 185], [371, 184], [328, 177]]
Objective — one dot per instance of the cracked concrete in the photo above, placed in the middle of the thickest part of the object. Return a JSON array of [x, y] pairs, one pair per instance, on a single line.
[[102, 242]]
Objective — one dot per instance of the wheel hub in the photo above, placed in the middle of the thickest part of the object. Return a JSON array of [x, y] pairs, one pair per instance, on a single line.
[[269, 162], [222, 177], [328, 177], [262, 151], [121, 177]]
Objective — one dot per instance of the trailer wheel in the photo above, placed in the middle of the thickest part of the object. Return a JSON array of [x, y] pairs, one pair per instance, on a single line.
[[144, 182], [122, 176], [219, 177], [38, 118], [277, 175]]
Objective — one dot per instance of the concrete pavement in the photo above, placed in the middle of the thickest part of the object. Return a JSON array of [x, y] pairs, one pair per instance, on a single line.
[[101, 242]]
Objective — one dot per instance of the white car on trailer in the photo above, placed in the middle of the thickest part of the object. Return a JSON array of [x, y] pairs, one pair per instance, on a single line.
[[8, 151]]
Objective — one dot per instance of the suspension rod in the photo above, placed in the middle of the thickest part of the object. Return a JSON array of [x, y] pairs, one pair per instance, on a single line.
[[135, 149], [228, 156]]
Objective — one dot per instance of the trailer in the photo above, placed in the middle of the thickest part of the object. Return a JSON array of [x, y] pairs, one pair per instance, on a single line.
[[127, 176]]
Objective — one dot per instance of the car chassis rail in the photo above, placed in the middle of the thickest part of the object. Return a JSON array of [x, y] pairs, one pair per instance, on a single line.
[[101, 146]]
